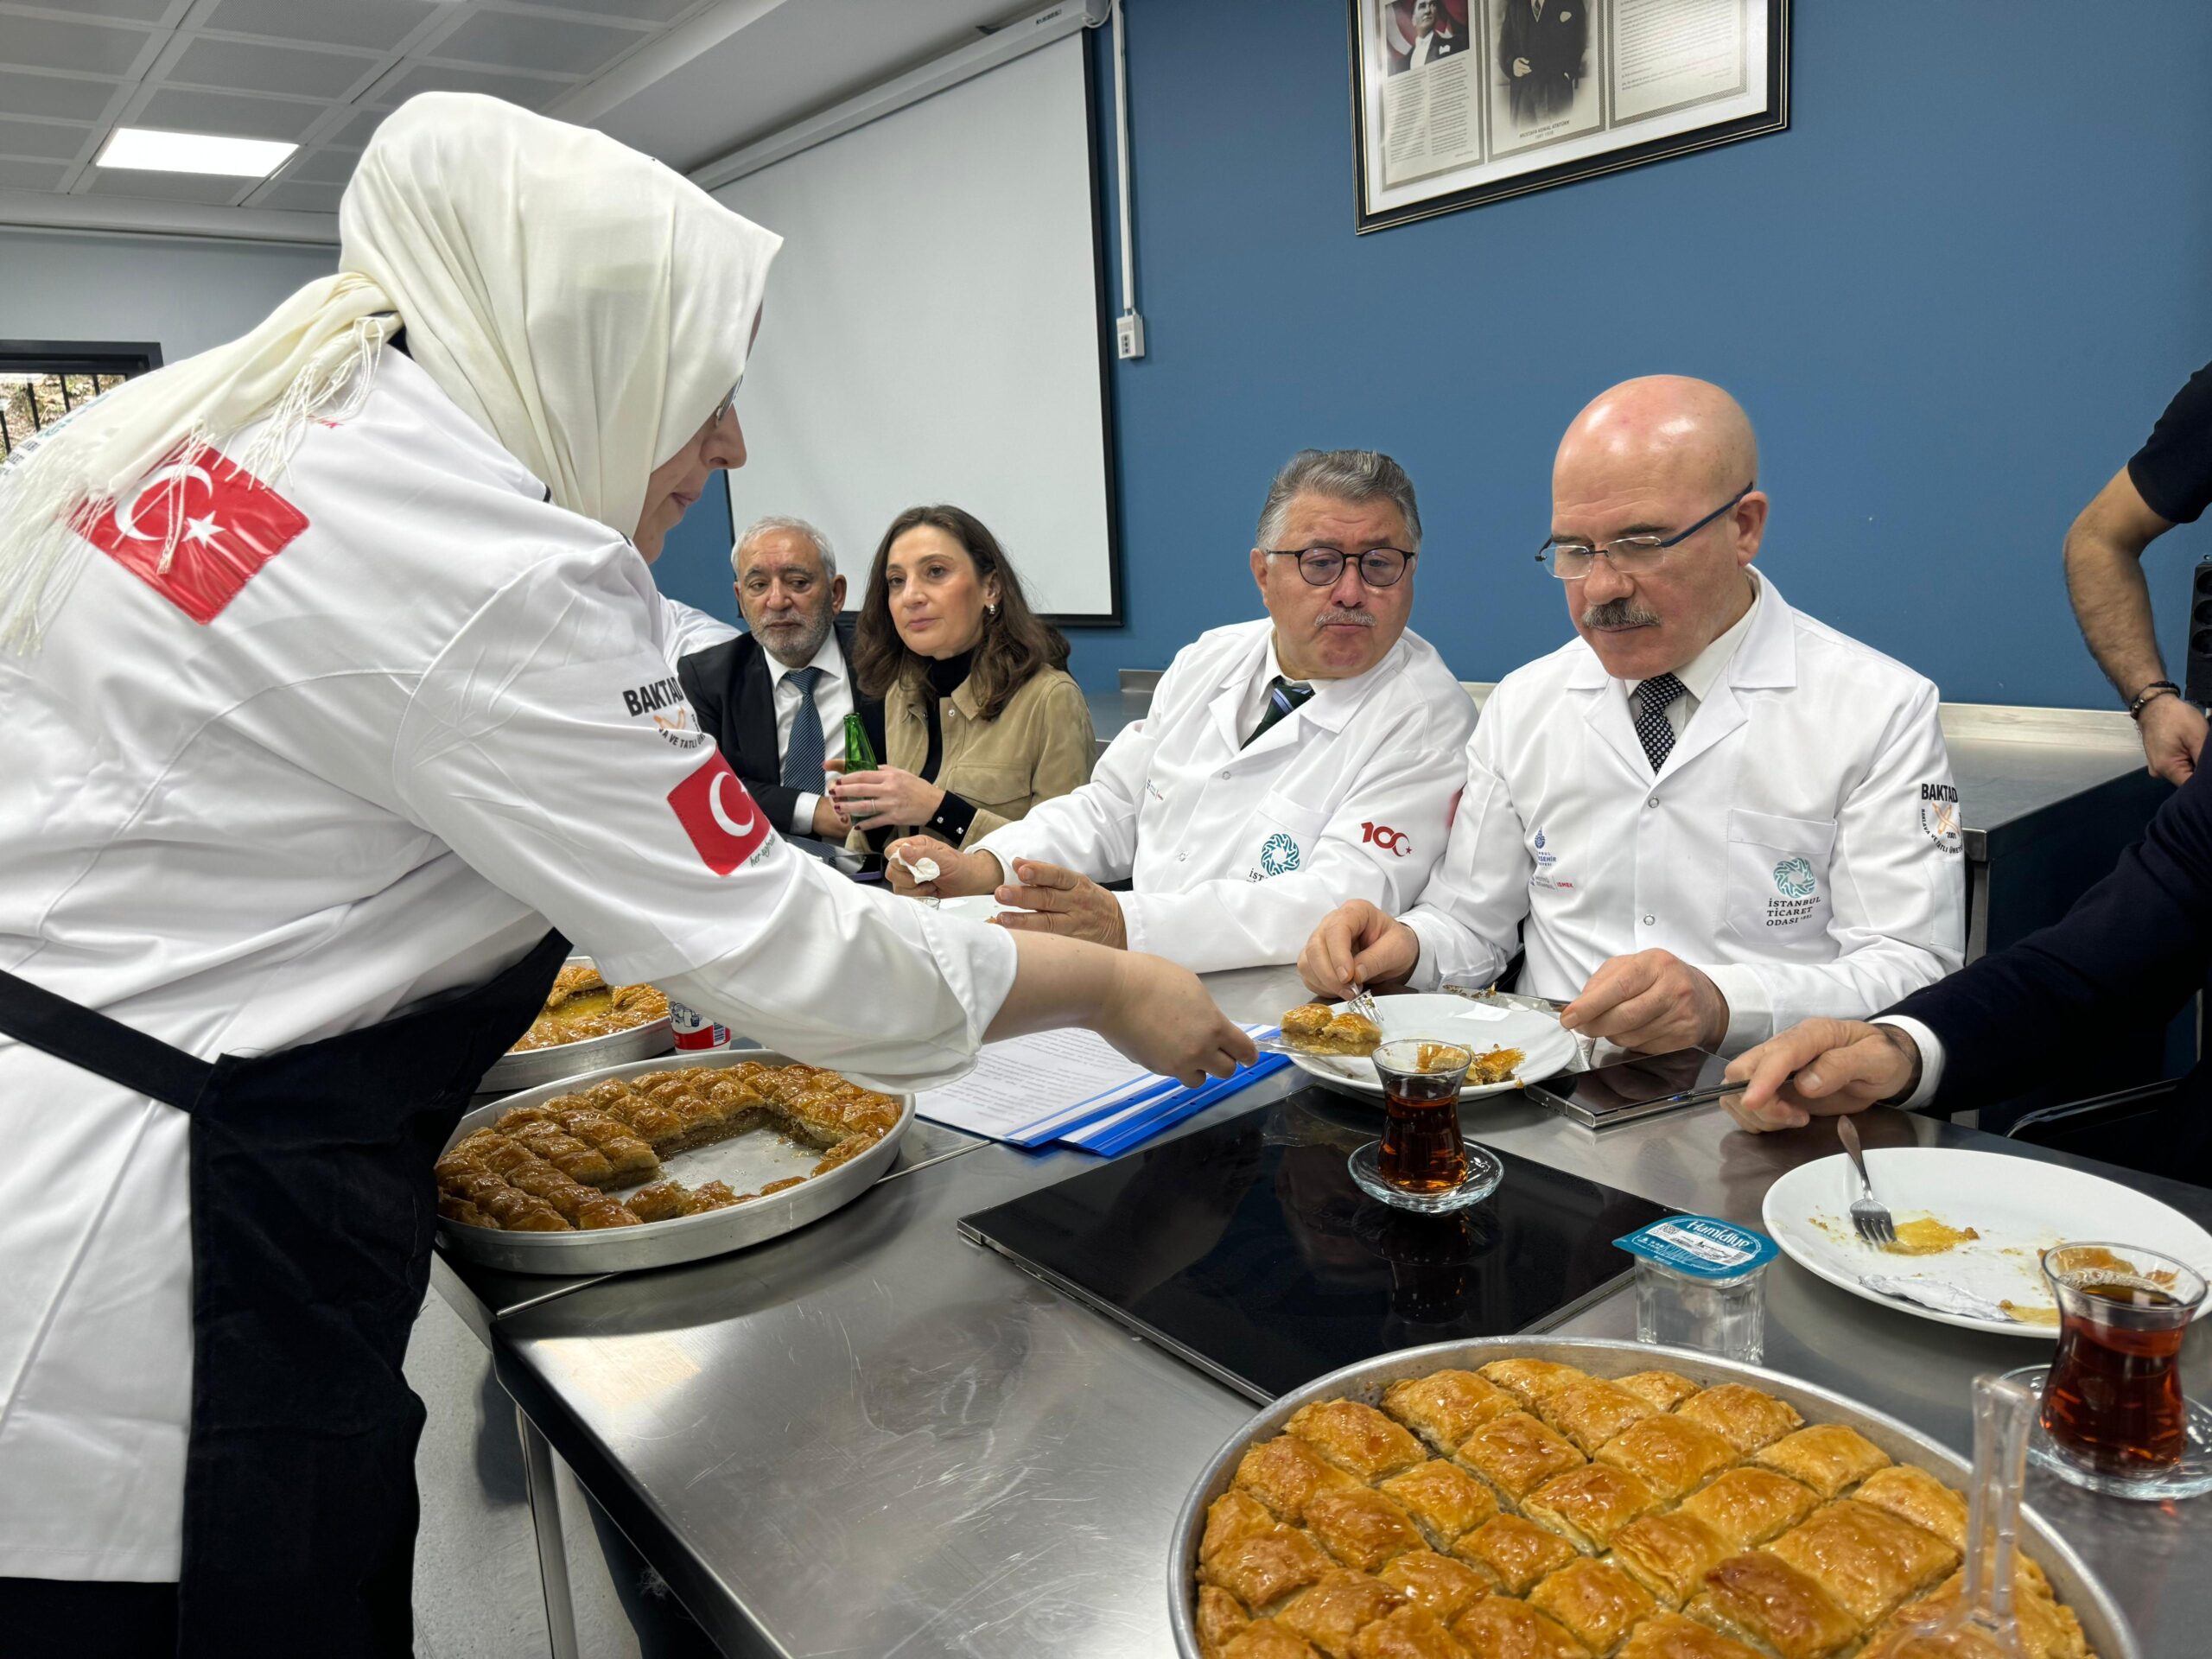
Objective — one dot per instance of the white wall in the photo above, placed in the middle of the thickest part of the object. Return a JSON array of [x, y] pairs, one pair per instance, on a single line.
[[188, 295]]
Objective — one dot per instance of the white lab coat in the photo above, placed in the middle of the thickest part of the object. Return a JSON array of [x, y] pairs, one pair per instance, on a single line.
[[1234, 854], [686, 628], [414, 738], [1800, 844]]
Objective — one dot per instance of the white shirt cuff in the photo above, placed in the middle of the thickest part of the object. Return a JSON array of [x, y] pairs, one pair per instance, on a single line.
[[1931, 1059], [1750, 1016], [802, 806]]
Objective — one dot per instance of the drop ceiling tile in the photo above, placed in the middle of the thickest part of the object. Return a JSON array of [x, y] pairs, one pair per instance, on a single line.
[[301, 197], [508, 41], [409, 78], [87, 48], [268, 68], [163, 186], [140, 11], [234, 117], [70, 100], [31, 175], [643, 11], [381, 25], [42, 138], [356, 131], [321, 167]]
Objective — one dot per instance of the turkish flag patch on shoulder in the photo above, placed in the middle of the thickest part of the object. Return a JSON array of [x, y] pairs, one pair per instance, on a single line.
[[227, 524], [720, 818]]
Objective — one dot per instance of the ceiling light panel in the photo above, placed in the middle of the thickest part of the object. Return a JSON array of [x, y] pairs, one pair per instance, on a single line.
[[153, 150]]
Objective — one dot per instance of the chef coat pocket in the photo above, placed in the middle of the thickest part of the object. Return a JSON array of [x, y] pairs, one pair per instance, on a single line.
[[1281, 834], [1778, 899]]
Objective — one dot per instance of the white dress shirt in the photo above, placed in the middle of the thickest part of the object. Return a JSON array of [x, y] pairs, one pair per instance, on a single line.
[[833, 700]]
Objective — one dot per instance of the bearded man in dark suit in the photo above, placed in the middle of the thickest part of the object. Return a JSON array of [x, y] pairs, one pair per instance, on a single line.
[[775, 700]]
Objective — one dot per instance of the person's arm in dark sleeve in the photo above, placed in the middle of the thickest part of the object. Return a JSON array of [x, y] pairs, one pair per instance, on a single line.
[[2132, 951]]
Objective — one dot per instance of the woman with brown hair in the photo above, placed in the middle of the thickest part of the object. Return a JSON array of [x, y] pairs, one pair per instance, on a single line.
[[981, 720]]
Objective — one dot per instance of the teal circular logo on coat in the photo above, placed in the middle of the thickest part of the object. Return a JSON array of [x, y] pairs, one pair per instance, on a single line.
[[1793, 878], [1279, 856]]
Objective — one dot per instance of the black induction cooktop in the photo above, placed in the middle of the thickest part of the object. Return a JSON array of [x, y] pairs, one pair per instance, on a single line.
[[1246, 1249]]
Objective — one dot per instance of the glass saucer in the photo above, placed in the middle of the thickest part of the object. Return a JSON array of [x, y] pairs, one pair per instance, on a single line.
[[2187, 1479], [1484, 1173]]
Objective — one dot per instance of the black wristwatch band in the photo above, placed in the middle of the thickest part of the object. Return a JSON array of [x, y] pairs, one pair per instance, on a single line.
[[2149, 695]]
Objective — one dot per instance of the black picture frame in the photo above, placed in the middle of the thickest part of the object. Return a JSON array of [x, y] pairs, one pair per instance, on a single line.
[[1449, 198]]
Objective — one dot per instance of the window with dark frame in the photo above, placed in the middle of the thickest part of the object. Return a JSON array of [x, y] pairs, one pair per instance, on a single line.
[[41, 380]]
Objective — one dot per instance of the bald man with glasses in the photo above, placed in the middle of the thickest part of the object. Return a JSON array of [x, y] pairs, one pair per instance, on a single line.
[[1709, 815], [1286, 764]]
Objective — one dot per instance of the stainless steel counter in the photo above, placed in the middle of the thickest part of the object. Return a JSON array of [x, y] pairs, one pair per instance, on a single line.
[[870, 1437]]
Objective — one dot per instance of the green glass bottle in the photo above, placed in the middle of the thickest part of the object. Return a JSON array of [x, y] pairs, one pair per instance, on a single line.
[[860, 753]]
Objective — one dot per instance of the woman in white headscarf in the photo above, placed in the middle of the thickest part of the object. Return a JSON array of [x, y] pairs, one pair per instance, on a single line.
[[335, 699]]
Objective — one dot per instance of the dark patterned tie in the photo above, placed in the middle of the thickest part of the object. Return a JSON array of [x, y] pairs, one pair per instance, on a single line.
[[803, 756], [1657, 732], [1283, 695]]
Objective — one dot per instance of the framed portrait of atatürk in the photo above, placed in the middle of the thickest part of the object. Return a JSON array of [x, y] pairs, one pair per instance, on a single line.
[[1456, 103]]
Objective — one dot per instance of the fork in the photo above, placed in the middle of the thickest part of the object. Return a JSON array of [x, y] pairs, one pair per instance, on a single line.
[[1362, 1002], [1868, 1215]]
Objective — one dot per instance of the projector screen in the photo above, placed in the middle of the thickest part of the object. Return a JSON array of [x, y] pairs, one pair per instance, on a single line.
[[932, 332]]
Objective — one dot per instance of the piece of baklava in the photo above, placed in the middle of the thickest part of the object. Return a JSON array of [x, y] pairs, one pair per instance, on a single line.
[[1744, 1417], [1285, 1473], [1759, 1598], [1827, 1456], [1674, 1457], [1444, 1500], [1748, 1505], [1355, 1437], [1445, 1407], [1439, 1585], [1517, 1453], [1669, 1635], [1336, 1607], [1594, 1601], [1587, 1506], [1515, 1552], [1869, 1560], [1590, 1411], [1670, 1553], [1503, 1627]]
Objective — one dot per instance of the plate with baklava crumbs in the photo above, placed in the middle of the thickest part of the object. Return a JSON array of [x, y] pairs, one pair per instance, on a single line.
[[1511, 1045], [661, 1161], [1560, 1498]]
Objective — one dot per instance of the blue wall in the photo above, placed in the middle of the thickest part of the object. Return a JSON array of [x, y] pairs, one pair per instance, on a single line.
[[1954, 295]]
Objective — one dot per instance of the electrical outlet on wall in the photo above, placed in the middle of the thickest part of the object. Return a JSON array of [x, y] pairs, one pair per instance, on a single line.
[[1128, 336]]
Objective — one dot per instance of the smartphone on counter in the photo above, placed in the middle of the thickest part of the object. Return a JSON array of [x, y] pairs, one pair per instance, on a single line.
[[1643, 1085]]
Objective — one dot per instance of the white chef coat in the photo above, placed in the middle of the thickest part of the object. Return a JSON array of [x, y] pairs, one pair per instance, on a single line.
[[1236, 853], [686, 628], [413, 739], [1800, 846], [833, 701]]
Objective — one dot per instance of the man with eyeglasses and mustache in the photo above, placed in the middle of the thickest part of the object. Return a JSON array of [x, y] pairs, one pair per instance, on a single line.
[[1709, 815], [1285, 764]]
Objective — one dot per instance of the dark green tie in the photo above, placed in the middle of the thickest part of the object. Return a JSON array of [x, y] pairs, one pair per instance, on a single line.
[[1283, 695]]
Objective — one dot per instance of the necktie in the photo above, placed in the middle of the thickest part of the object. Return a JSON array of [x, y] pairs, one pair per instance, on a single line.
[[802, 754], [1652, 726], [1283, 695]]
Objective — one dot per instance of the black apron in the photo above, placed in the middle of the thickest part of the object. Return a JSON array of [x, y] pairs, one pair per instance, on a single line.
[[313, 1207]]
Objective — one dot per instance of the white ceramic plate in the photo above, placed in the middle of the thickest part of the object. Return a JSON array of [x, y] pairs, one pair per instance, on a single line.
[[2019, 1206], [1443, 1018]]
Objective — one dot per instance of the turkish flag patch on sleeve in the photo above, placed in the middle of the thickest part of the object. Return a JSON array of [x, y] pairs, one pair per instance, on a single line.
[[720, 818], [225, 521]]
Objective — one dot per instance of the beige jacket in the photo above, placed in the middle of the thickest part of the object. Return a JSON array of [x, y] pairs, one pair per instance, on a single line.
[[1041, 746]]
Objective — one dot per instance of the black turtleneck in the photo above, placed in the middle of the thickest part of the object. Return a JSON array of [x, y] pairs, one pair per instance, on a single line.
[[944, 677]]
